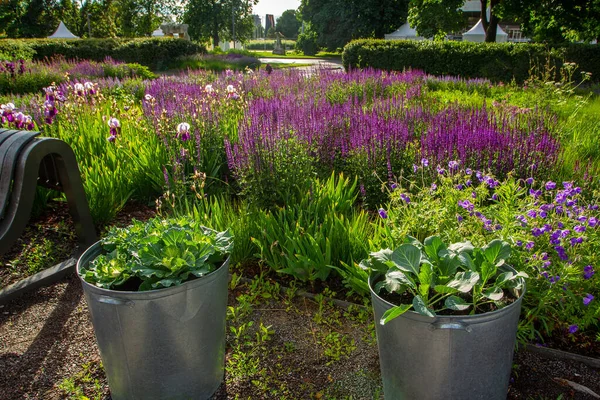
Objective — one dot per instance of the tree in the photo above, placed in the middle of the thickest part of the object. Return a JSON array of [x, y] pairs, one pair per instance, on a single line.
[[142, 17], [555, 20], [436, 18], [336, 22], [490, 26], [288, 24], [33, 18], [217, 19], [11, 12]]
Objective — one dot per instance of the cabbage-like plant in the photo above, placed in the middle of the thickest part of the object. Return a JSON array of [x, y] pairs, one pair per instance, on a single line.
[[157, 254], [456, 278]]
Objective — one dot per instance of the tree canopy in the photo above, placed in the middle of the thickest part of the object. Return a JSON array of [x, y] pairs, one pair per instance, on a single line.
[[107, 18], [288, 24], [336, 22], [555, 20], [219, 19], [436, 18]]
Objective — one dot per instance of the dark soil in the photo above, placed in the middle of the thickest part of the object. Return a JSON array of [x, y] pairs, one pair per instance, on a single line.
[[50, 238], [575, 343], [47, 240]]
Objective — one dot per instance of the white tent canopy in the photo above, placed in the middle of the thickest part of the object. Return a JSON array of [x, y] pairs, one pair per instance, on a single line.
[[477, 34], [404, 32], [157, 33], [62, 33]]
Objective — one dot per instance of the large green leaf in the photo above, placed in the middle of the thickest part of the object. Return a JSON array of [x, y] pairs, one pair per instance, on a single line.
[[448, 263], [396, 281], [496, 252], [426, 279], [421, 307], [380, 260], [443, 289], [487, 271], [461, 247], [433, 245], [394, 312], [466, 260], [494, 293], [464, 281], [407, 258], [456, 303]]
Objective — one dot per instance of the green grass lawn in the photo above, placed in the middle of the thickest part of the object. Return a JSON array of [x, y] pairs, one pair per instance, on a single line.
[[290, 54]]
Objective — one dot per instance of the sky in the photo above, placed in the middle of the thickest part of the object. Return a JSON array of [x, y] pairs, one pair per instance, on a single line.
[[275, 7]]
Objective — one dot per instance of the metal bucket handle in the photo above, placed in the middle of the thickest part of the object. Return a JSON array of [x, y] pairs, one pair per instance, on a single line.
[[456, 325], [114, 301]]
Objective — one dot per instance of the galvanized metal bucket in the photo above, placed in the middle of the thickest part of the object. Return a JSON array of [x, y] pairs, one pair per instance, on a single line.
[[161, 344], [446, 357]]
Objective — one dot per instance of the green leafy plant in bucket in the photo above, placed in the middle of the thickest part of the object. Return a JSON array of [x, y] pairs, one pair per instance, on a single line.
[[157, 254], [455, 278]]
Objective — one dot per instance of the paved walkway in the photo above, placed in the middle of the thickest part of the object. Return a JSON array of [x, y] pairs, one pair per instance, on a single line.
[[316, 62]]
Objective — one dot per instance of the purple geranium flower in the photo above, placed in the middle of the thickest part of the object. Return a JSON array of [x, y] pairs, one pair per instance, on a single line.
[[588, 272], [573, 329], [382, 213], [529, 181], [587, 299], [550, 185], [405, 198]]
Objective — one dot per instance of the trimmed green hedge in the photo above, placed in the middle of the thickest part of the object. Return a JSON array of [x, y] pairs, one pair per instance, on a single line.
[[156, 53], [494, 61]]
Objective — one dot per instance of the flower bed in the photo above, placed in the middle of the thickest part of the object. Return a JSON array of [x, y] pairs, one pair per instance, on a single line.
[[262, 155]]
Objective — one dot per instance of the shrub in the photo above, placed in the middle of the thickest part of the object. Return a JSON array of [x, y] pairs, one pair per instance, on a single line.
[[307, 43], [156, 53], [495, 61], [15, 50]]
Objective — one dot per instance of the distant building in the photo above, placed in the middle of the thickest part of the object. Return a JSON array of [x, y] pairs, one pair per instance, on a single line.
[[269, 23], [258, 31]]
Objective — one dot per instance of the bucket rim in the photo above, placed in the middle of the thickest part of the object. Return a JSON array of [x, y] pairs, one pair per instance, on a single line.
[[95, 249], [473, 319]]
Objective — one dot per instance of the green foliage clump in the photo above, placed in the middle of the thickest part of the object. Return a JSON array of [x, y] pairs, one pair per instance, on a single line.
[[553, 229], [498, 62], [156, 53], [310, 238], [157, 254], [307, 43], [445, 278], [129, 70], [15, 50]]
